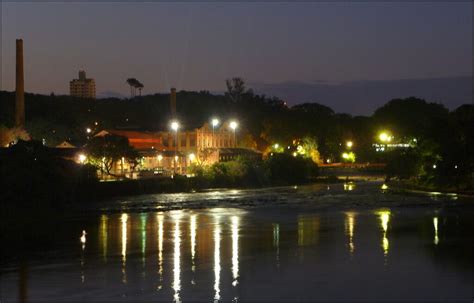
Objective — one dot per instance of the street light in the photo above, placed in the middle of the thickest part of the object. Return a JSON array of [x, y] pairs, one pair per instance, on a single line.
[[214, 123], [88, 130], [175, 128], [385, 137], [349, 144], [82, 158], [234, 125]]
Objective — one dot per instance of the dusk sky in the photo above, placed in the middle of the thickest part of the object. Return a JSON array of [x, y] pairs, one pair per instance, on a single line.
[[197, 46]]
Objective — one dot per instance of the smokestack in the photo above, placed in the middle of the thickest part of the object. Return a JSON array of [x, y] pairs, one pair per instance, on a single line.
[[173, 102], [20, 86]]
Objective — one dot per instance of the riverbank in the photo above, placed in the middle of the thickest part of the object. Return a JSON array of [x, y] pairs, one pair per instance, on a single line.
[[403, 185]]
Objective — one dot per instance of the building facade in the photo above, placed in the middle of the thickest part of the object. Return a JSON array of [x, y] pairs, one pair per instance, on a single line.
[[173, 152], [82, 87]]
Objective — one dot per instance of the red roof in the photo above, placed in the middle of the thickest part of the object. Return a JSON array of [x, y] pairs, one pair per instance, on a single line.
[[140, 140]]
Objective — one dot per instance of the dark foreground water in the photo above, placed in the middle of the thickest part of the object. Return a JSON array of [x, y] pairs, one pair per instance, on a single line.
[[338, 242]]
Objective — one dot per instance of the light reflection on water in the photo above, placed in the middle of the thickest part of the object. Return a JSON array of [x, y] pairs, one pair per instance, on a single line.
[[219, 254], [350, 219]]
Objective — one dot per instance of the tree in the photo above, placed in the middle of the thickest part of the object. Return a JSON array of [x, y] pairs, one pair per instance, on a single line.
[[235, 88], [9, 135], [105, 151]]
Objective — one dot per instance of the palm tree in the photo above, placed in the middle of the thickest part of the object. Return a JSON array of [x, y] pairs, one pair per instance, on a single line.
[[132, 83], [140, 87]]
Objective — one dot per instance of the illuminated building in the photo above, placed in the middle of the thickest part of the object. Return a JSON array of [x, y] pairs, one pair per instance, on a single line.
[[82, 87], [163, 151]]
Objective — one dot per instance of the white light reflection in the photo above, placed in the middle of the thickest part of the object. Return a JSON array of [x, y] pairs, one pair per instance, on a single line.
[[350, 230], [83, 247], [177, 256], [124, 219], [160, 248], [276, 242], [435, 225], [192, 227], [235, 250], [217, 260]]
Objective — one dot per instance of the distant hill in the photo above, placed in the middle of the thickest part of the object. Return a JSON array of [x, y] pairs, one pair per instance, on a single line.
[[363, 97]]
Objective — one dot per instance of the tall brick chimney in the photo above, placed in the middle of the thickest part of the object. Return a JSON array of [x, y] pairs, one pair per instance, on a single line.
[[20, 86], [173, 102]]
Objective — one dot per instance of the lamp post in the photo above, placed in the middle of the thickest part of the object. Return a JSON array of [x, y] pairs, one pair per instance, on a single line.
[[234, 125], [214, 123], [175, 128]]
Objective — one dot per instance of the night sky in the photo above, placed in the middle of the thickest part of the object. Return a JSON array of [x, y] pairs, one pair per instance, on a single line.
[[295, 51]]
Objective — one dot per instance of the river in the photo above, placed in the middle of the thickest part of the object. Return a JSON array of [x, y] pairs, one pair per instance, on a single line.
[[328, 242]]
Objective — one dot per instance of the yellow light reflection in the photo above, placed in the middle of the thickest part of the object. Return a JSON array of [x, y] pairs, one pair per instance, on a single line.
[[143, 219], [235, 250], [192, 227], [349, 186], [350, 219], [384, 216], [160, 248], [177, 265], [384, 186], [103, 231], [217, 260], [124, 220], [435, 225]]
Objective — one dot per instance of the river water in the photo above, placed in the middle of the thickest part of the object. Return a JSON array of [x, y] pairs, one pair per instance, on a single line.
[[340, 242]]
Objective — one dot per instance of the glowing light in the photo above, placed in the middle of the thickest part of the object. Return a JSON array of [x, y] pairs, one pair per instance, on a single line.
[[435, 225], [217, 261], [177, 265], [82, 158], [143, 219], [328, 160], [235, 250], [385, 137], [176, 158], [104, 235], [349, 144], [350, 156], [384, 217], [160, 157], [349, 186], [276, 146], [295, 154], [233, 125], [174, 125], [215, 122], [96, 123], [350, 230], [192, 228], [124, 219], [88, 130], [83, 239], [434, 166], [192, 157], [160, 246], [384, 186]]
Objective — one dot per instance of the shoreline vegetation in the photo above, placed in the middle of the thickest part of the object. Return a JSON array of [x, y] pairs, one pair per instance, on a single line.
[[421, 145]]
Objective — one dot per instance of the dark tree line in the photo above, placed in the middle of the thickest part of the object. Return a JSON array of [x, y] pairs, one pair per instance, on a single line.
[[444, 139]]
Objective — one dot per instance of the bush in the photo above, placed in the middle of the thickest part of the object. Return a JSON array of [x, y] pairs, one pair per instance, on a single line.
[[286, 169]]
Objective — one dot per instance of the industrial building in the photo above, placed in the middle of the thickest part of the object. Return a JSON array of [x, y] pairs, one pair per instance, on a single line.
[[82, 87]]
